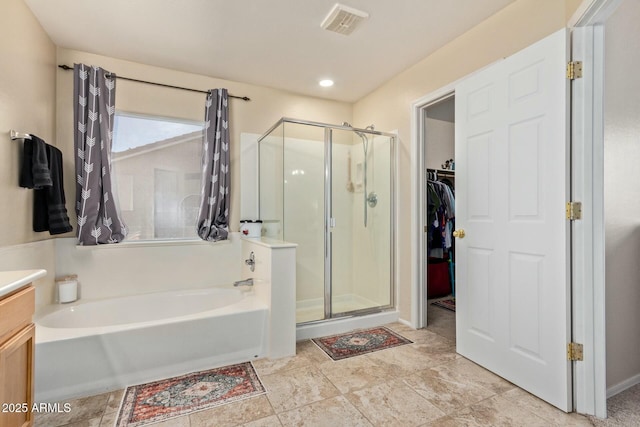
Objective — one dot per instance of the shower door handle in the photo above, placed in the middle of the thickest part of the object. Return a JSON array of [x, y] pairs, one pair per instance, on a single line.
[[331, 224]]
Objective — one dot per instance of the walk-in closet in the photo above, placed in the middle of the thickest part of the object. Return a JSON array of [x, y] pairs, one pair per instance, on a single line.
[[439, 140]]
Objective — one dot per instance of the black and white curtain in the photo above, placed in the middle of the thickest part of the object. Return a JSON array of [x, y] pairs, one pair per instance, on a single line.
[[99, 219], [213, 217]]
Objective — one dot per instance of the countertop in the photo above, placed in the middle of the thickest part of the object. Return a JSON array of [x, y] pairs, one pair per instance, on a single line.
[[14, 280]]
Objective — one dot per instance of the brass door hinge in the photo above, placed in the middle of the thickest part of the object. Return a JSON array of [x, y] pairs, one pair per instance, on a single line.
[[574, 351], [574, 210], [574, 70]]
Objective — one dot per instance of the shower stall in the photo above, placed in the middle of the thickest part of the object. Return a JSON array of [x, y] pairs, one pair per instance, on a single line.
[[330, 189]]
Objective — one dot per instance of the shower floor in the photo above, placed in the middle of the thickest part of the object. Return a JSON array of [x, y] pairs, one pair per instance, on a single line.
[[313, 309]]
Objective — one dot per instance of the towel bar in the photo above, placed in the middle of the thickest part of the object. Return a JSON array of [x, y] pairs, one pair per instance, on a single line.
[[17, 135]]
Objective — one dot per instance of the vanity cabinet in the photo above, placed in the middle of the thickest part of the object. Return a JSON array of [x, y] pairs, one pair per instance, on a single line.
[[17, 345]]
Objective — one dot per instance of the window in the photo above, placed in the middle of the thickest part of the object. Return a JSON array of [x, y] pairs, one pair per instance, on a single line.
[[156, 170]]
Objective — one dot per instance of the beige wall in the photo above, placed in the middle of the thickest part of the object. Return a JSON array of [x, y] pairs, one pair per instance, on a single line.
[[266, 107], [389, 107], [27, 104], [33, 256], [622, 194]]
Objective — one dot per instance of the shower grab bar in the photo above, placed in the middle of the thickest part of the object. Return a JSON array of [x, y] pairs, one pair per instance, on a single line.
[[17, 135]]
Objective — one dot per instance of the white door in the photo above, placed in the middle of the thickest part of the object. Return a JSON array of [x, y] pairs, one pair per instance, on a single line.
[[512, 183]]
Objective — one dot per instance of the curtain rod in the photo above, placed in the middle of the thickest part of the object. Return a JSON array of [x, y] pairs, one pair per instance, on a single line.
[[244, 98]]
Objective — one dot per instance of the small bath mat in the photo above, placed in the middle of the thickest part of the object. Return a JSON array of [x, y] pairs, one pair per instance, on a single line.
[[355, 343], [158, 401], [449, 304]]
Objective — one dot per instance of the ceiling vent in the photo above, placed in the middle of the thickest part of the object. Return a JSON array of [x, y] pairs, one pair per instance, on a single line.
[[343, 19]]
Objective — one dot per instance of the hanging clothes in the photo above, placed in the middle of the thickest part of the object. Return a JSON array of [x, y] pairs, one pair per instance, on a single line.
[[441, 210]]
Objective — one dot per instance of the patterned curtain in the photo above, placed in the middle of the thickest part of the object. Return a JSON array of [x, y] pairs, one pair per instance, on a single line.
[[213, 218], [99, 218]]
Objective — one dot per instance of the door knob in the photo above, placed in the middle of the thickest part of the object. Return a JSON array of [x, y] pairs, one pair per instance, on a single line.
[[459, 234]]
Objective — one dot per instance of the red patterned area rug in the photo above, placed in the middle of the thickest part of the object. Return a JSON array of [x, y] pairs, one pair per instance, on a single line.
[[449, 304], [355, 343], [158, 401]]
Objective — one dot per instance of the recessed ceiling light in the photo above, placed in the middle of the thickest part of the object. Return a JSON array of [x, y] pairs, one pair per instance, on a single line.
[[326, 83]]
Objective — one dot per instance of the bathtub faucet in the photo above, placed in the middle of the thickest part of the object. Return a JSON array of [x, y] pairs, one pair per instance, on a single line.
[[246, 282]]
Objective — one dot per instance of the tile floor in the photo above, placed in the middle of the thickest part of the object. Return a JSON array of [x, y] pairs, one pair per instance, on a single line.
[[441, 321], [421, 384]]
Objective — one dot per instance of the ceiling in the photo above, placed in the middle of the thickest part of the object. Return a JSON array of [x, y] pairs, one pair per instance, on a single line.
[[276, 43]]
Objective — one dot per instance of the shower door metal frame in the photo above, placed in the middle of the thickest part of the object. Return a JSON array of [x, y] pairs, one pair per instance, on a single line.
[[329, 221]]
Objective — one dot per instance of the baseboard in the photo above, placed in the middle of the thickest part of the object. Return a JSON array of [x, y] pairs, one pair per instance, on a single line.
[[623, 385], [406, 323]]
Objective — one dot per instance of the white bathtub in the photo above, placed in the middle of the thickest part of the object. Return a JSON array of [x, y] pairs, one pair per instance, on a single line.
[[91, 347]]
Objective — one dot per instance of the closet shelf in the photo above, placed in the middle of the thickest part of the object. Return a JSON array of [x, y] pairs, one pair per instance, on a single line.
[[449, 171]]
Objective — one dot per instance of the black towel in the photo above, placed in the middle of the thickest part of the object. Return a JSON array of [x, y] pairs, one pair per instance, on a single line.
[[35, 166], [42, 171], [49, 210]]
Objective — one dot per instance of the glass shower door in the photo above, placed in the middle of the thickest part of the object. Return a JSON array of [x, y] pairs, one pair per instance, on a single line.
[[304, 213], [360, 221], [329, 189]]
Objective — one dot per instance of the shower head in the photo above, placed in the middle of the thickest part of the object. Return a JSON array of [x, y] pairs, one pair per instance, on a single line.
[[370, 127], [360, 134]]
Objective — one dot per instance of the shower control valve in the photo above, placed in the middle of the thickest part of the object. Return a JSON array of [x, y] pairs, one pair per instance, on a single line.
[[251, 261], [372, 199]]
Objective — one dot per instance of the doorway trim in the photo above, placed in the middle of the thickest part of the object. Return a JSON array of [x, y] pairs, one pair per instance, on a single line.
[[588, 235], [419, 201]]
